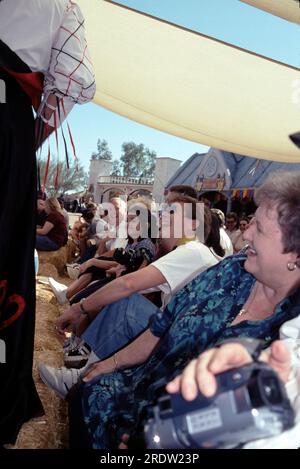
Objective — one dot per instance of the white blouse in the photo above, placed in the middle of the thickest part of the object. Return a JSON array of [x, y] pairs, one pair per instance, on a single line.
[[49, 36]]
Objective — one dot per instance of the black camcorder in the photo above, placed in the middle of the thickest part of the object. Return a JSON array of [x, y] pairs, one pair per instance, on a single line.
[[130, 258], [250, 403]]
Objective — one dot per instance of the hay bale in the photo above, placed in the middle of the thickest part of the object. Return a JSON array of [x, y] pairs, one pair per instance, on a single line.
[[49, 431], [72, 251], [48, 270], [57, 258]]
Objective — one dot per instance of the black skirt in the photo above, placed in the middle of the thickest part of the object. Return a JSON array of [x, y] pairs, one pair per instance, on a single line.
[[19, 400]]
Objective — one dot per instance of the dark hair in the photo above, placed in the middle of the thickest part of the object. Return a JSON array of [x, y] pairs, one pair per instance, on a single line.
[[213, 239], [232, 215], [88, 215], [91, 206], [194, 213], [282, 191], [184, 190], [220, 215]]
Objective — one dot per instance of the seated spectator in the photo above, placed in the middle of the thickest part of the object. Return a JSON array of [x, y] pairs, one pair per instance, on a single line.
[[92, 207], [76, 231], [87, 234], [104, 267], [41, 212], [53, 235], [64, 211], [239, 242], [102, 226], [225, 241], [245, 295], [232, 226], [115, 213], [75, 206], [131, 314], [214, 237]]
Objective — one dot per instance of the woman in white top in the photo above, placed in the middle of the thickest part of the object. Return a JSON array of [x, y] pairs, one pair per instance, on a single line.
[[43, 60]]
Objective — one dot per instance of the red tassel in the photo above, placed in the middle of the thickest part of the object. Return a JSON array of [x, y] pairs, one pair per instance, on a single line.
[[47, 169], [56, 134], [70, 135], [57, 148], [56, 176]]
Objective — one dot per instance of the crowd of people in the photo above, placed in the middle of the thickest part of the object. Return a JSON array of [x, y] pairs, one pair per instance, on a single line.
[[158, 291], [145, 302], [206, 291]]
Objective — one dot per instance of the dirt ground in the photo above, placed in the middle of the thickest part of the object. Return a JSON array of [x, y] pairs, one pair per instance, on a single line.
[[51, 430]]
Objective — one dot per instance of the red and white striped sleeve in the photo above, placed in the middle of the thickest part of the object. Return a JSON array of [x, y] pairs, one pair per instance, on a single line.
[[70, 74]]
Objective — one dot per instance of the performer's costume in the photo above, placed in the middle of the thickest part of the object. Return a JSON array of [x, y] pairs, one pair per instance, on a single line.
[[42, 51]]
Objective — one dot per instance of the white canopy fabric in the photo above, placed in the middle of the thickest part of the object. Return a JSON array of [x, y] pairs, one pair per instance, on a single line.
[[287, 9], [191, 85]]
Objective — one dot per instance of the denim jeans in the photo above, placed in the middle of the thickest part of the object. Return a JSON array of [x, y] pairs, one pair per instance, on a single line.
[[43, 243], [89, 254], [118, 324]]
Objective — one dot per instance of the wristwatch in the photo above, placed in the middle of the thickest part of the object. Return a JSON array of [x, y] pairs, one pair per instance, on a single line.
[[253, 346]]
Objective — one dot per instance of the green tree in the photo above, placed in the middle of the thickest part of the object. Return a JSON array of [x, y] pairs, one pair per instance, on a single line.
[[75, 178], [137, 160], [103, 151], [116, 169]]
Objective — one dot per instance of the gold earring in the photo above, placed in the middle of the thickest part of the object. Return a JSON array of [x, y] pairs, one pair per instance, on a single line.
[[291, 266]]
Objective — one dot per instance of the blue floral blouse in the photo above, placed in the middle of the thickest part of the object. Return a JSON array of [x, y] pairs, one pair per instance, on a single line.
[[198, 317]]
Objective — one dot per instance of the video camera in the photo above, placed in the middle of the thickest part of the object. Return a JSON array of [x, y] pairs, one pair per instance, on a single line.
[[250, 403], [130, 258]]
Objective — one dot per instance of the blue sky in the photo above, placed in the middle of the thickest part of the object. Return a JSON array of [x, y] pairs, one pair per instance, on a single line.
[[228, 20]]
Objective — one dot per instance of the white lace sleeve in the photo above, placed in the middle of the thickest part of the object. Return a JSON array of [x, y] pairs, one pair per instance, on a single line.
[[288, 439], [290, 334], [70, 73]]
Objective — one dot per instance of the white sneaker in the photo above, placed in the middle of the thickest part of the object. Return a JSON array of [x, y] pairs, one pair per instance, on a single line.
[[61, 380], [77, 356], [59, 290]]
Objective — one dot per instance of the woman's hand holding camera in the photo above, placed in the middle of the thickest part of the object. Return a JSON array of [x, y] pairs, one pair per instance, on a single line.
[[200, 372]]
